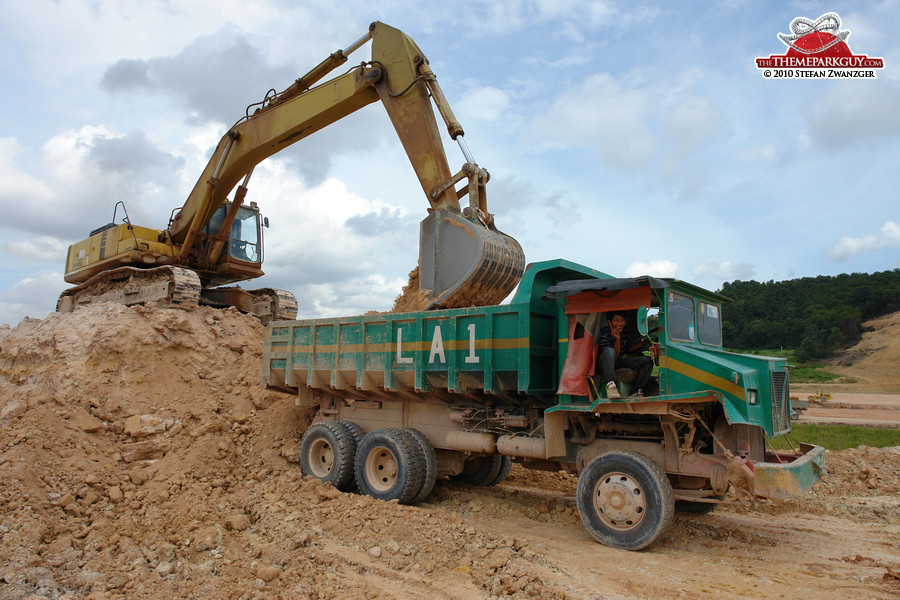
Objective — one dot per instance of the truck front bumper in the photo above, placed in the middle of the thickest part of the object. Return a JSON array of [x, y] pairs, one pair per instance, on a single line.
[[787, 474]]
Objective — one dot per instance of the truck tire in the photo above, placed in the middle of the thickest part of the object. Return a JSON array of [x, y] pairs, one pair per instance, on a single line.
[[355, 430], [481, 470], [505, 467], [625, 500], [390, 465], [327, 453], [431, 466]]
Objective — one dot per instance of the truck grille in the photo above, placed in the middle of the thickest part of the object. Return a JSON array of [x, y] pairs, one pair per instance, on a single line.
[[781, 403]]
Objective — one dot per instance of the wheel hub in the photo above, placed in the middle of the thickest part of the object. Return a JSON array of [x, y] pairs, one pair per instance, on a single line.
[[381, 469], [619, 501], [321, 458]]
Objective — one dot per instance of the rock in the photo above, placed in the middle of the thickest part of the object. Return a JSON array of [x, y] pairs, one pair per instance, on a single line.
[[268, 572], [498, 558], [327, 491], [291, 452], [64, 500], [140, 426], [89, 498], [237, 522], [85, 421], [115, 494], [141, 451], [205, 538], [242, 410], [375, 552]]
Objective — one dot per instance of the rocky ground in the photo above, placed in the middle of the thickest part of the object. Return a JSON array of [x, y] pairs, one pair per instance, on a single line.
[[140, 458]]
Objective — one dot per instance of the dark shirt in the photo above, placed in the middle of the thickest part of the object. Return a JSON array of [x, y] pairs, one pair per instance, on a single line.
[[605, 339]]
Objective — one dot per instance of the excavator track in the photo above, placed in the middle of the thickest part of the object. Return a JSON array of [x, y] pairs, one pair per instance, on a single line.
[[266, 304], [158, 286]]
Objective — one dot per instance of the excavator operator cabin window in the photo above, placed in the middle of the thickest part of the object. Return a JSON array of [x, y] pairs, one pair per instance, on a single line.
[[680, 317], [243, 240]]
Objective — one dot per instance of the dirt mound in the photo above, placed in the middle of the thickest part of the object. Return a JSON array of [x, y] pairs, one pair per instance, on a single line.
[[141, 458]]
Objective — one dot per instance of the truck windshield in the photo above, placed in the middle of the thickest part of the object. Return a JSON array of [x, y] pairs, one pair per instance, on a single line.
[[680, 317], [709, 324]]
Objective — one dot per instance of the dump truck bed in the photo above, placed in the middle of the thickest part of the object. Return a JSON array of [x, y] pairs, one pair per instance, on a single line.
[[495, 350]]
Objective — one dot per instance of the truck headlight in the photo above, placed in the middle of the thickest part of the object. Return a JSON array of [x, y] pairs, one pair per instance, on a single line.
[[751, 396]]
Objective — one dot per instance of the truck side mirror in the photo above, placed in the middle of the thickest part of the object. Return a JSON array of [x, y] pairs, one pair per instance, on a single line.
[[642, 320], [266, 222]]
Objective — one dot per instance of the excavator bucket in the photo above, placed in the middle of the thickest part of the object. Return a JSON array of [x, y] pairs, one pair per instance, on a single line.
[[464, 263]]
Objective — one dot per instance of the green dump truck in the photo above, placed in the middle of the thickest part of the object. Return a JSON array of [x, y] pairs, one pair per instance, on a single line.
[[406, 398]]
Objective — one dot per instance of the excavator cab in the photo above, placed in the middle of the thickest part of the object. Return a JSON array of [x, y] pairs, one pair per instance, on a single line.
[[244, 242]]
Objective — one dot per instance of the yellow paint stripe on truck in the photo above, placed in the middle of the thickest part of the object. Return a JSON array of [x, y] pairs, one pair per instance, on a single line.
[[709, 379]]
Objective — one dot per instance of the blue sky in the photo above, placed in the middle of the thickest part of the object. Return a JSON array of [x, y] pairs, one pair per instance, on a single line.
[[637, 138]]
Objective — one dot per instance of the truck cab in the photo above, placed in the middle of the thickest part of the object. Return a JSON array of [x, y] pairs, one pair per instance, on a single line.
[[685, 346]]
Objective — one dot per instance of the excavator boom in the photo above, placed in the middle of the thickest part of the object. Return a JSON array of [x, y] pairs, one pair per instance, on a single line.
[[463, 259]]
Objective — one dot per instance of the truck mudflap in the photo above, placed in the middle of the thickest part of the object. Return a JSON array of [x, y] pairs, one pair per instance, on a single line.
[[787, 474]]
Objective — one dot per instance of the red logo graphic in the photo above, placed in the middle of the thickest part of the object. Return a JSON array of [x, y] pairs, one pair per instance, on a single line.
[[818, 49]]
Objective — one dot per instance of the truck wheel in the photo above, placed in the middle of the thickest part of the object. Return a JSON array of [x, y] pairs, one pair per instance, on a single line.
[[327, 453], [481, 470], [505, 467], [390, 465], [625, 500], [430, 463]]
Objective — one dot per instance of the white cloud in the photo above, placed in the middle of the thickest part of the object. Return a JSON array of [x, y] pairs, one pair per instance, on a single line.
[[693, 122], [654, 268], [82, 175], [39, 248], [604, 115], [846, 115], [722, 270], [485, 103], [31, 297], [847, 247]]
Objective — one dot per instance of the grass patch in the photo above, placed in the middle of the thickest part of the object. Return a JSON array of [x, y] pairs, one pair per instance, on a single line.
[[839, 437], [814, 374]]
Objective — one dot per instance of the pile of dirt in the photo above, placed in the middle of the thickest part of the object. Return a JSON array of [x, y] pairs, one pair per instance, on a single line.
[[140, 458], [411, 298], [872, 362]]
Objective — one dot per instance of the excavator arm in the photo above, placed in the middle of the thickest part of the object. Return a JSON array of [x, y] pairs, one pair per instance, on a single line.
[[463, 259]]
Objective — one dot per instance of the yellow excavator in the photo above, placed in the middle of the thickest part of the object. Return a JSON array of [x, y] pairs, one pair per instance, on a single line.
[[213, 241]]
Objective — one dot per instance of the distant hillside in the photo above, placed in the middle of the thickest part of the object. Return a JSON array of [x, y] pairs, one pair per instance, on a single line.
[[815, 315], [873, 361]]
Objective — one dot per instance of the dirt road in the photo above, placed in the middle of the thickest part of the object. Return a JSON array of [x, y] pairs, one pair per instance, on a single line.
[[848, 408], [139, 458]]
